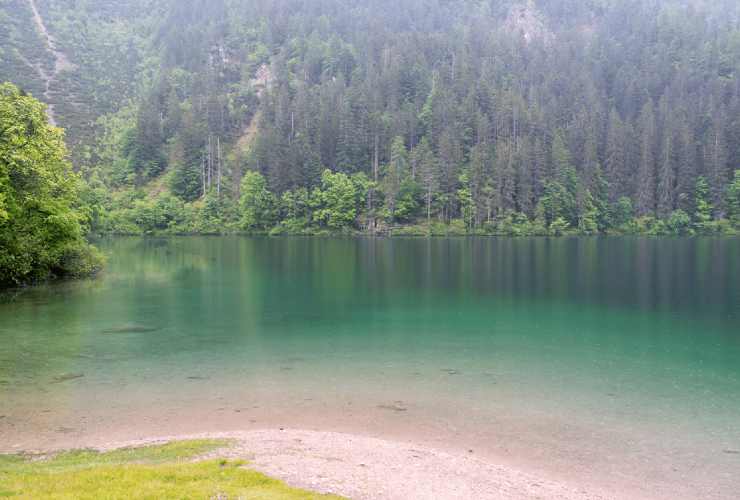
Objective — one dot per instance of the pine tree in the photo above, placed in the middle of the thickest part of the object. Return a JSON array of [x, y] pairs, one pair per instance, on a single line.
[[524, 180], [394, 175], [667, 172], [686, 174], [478, 178], [428, 174], [189, 159], [646, 172], [564, 189], [703, 214], [504, 177], [449, 164], [614, 161], [716, 161], [146, 156]]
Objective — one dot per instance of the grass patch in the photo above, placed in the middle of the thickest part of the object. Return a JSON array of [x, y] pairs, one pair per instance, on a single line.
[[160, 471]]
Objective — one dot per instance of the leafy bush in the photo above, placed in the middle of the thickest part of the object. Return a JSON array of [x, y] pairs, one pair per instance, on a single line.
[[41, 226], [679, 223]]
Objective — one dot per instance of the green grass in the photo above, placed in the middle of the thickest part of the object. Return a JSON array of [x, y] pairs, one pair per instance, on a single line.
[[162, 471]]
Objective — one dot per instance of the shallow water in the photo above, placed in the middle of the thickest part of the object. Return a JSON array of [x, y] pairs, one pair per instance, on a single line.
[[610, 362]]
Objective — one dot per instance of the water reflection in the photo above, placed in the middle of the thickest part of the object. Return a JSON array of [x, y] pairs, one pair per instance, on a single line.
[[462, 339]]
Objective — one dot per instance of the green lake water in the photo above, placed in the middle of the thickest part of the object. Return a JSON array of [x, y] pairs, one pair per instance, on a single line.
[[608, 361]]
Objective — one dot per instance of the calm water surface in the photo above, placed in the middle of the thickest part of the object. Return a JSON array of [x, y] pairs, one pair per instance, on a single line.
[[612, 362]]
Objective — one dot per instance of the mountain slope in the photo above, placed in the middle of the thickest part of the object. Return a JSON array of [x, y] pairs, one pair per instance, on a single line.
[[587, 114]]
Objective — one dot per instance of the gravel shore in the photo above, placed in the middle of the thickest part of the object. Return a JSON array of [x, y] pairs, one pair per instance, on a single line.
[[361, 467]]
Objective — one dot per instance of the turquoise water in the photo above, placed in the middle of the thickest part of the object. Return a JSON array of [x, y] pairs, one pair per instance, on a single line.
[[612, 361]]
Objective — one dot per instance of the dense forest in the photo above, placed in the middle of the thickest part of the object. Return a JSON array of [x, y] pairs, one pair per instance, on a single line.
[[405, 117]]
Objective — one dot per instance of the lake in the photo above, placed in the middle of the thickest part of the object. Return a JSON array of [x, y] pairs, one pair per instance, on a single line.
[[607, 361]]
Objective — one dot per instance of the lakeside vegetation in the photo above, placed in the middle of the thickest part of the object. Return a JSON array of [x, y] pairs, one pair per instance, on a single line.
[[424, 117], [339, 206], [46, 209], [42, 220], [170, 470]]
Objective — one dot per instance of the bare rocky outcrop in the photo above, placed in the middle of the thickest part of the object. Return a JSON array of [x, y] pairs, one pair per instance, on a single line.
[[527, 21], [262, 79]]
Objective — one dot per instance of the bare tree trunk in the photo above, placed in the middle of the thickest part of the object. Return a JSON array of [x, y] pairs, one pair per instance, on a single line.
[[203, 172], [210, 162], [376, 167], [376, 159], [429, 206], [516, 128], [218, 173], [413, 166]]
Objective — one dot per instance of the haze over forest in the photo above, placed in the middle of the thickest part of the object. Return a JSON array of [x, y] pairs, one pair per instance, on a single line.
[[374, 248], [301, 116]]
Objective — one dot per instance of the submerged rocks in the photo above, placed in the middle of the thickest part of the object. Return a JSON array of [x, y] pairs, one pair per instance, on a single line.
[[67, 376], [132, 328], [397, 406]]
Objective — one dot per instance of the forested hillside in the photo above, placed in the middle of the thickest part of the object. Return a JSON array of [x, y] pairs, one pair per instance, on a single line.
[[411, 116]]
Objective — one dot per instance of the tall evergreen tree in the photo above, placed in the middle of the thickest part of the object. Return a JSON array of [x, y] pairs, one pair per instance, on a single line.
[[646, 172]]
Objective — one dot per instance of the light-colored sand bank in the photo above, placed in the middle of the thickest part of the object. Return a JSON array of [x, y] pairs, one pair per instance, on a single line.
[[361, 467]]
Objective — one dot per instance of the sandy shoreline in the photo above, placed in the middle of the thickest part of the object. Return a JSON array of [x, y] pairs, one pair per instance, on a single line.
[[540, 456], [360, 467]]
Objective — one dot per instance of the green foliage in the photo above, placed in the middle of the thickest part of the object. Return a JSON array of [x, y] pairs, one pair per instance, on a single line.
[[143, 147], [515, 224], [561, 157], [407, 202], [217, 215], [466, 202], [186, 180], [559, 201], [602, 213], [336, 201], [400, 190], [467, 207], [41, 227], [703, 214], [588, 222], [295, 212], [558, 227], [679, 223], [115, 132], [622, 212], [733, 200], [257, 203]]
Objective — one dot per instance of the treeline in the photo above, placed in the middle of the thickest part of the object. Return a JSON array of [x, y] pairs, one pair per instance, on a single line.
[[341, 203], [494, 117]]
